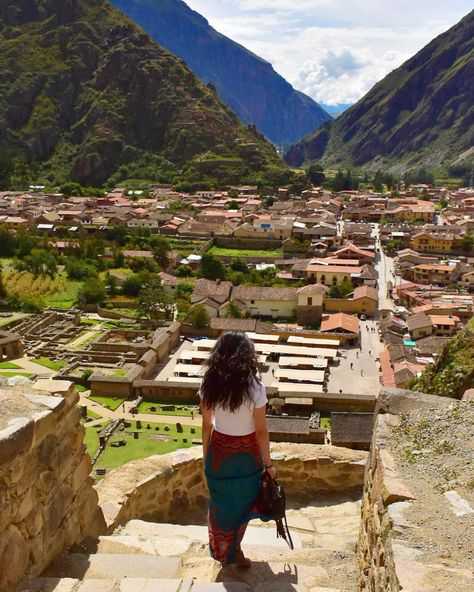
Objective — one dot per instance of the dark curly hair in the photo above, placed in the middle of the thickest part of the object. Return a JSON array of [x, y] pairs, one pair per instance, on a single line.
[[231, 370]]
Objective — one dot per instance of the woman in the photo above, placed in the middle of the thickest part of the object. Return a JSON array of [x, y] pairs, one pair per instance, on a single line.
[[236, 444]]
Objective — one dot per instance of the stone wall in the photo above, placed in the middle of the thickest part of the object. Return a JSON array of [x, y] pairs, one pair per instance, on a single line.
[[384, 487], [171, 487], [47, 501]]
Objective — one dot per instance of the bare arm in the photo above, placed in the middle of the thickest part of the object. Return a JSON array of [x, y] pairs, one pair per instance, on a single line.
[[207, 415], [261, 431]]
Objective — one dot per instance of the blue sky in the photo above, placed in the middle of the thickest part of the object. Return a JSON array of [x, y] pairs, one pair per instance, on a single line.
[[333, 50]]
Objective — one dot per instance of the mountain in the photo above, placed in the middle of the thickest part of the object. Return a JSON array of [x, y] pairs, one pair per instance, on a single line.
[[86, 95], [245, 82], [420, 114]]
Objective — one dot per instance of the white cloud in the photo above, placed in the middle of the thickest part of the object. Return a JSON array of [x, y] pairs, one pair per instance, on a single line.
[[334, 50]]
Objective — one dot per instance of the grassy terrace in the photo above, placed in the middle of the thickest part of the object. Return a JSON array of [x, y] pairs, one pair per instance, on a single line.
[[152, 439], [91, 438], [55, 365], [9, 366], [7, 374], [246, 252], [107, 402], [152, 407]]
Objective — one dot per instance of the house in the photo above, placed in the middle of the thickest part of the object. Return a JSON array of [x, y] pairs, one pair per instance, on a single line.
[[276, 303], [341, 323], [365, 299], [434, 242], [419, 325], [351, 251], [327, 272], [357, 233], [214, 296], [169, 282], [445, 325], [352, 430], [294, 429], [310, 304], [434, 274]]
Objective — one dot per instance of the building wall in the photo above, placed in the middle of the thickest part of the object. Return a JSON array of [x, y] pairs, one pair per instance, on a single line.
[[48, 502], [360, 306], [276, 309]]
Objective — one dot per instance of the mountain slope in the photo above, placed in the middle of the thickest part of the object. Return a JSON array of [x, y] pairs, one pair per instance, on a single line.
[[86, 94], [420, 114], [248, 84]]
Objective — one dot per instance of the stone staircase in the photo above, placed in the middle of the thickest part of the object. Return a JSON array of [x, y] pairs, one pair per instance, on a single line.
[[154, 557]]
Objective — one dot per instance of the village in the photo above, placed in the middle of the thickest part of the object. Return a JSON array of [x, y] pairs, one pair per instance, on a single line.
[[342, 293]]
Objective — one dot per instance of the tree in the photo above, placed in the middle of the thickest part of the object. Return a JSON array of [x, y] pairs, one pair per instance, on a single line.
[[161, 248], [234, 311], [76, 269], [69, 189], [315, 173], [3, 290], [92, 292], [184, 271], [467, 243], [154, 302], [199, 317], [341, 290], [233, 205], [132, 285], [184, 290], [39, 262], [7, 242], [211, 268], [238, 264]]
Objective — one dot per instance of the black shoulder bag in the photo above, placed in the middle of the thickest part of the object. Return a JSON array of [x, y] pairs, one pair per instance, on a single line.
[[272, 503]]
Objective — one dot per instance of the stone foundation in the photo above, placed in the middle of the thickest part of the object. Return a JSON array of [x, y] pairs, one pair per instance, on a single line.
[[379, 559], [168, 488], [47, 502]]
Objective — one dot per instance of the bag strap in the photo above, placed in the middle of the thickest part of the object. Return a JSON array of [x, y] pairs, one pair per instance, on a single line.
[[284, 532]]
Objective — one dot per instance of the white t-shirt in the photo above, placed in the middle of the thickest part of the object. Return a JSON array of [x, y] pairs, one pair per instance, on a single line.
[[241, 422]]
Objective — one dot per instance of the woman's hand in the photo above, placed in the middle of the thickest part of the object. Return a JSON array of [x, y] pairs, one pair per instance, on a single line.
[[271, 471]]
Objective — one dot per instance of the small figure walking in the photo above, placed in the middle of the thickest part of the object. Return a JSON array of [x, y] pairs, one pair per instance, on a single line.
[[352, 365], [357, 354], [362, 373], [370, 352], [123, 407]]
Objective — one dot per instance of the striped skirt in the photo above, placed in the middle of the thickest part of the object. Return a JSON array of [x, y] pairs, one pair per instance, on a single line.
[[233, 470]]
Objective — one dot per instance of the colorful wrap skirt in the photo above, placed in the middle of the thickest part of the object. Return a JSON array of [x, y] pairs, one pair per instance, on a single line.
[[233, 470]]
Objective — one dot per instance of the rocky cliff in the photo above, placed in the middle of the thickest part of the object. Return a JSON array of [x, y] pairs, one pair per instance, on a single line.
[[86, 94], [420, 114], [248, 84]]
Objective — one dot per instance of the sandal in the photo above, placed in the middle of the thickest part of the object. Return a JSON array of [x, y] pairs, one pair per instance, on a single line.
[[241, 560]]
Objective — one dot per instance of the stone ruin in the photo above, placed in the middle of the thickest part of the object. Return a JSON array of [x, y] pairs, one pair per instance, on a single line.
[[143, 526]]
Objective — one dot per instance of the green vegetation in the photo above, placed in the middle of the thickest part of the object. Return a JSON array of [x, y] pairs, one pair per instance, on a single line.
[[168, 127], [14, 373], [246, 252], [91, 438], [55, 365], [91, 415], [147, 444], [108, 402], [9, 366], [393, 123], [453, 372]]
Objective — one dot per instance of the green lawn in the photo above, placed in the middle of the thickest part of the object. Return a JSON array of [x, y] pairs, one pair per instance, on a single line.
[[145, 406], [81, 389], [146, 445], [91, 438], [55, 365], [108, 402], [246, 252], [66, 297], [91, 415], [9, 366], [13, 373]]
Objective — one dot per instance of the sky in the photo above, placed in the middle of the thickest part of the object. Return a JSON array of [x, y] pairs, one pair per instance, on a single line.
[[333, 50]]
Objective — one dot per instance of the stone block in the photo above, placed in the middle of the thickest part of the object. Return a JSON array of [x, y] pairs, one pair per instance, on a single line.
[[49, 585], [13, 558], [98, 586], [393, 488], [100, 566], [150, 585], [15, 438]]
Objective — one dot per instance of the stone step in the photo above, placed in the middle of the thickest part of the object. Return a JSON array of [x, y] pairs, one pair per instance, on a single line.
[[159, 546], [129, 585], [102, 565], [254, 535]]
